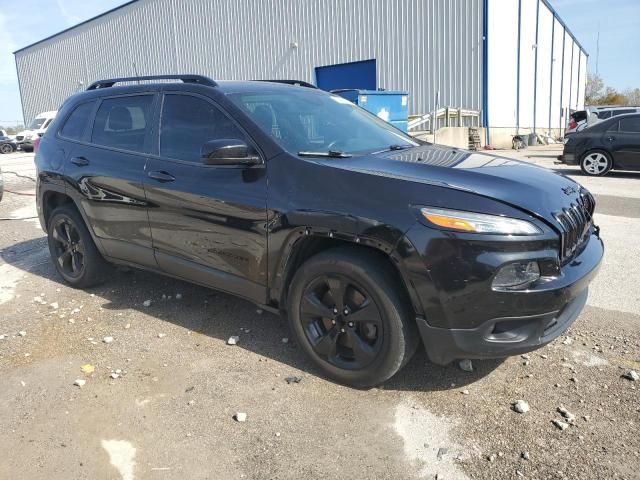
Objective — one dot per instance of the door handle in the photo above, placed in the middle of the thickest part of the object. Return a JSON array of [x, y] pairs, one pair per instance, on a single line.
[[161, 176], [80, 161]]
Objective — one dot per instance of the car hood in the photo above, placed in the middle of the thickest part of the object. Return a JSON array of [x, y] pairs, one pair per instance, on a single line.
[[537, 190]]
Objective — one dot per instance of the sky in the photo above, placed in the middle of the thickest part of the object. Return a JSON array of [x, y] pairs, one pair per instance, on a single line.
[[34, 20]]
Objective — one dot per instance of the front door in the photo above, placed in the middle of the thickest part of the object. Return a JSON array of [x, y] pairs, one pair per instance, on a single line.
[[208, 223], [625, 143], [106, 174]]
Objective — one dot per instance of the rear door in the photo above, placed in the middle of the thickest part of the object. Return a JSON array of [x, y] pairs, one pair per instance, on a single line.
[[623, 139], [105, 173], [208, 222]]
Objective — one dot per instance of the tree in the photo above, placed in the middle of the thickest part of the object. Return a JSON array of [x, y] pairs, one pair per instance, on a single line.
[[633, 96], [612, 97], [596, 93], [594, 89]]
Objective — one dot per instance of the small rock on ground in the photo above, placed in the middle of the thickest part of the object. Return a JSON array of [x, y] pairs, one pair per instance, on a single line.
[[466, 365], [521, 406], [561, 425], [632, 375], [233, 340], [107, 339], [240, 417]]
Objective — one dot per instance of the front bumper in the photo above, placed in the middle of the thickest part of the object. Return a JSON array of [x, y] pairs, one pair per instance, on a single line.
[[478, 322], [500, 337]]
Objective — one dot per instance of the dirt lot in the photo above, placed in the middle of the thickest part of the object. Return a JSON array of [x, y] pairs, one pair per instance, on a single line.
[[169, 413]]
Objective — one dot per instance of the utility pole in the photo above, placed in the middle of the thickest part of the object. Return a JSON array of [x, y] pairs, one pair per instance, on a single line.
[[598, 49]]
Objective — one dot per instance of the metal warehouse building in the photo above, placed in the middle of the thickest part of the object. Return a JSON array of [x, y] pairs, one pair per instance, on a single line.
[[514, 61]]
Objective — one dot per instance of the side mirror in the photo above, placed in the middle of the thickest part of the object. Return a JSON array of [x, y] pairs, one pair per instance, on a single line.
[[228, 152]]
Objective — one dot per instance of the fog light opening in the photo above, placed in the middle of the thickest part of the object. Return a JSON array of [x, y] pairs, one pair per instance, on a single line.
[[517, 275]]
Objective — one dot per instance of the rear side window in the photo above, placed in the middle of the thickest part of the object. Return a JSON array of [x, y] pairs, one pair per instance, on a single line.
[[74, 127], [630, 125], [615, 113], [188, 123], [604, 115], [122, 122]]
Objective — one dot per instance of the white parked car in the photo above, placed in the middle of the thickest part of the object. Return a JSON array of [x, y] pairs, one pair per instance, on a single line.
[[36, 129]]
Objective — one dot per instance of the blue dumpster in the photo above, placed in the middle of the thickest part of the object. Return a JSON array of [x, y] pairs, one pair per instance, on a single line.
[[389, 105]]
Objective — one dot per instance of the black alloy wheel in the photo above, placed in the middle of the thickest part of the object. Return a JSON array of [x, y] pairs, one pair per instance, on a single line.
[[341, 321], [350, 313], [73, 250], [69, 248]]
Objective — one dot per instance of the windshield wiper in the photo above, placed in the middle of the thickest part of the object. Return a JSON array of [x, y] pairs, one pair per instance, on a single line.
[[330, 154], [399, 147]]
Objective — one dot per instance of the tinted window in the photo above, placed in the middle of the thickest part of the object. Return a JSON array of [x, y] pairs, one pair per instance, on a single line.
[[73, 128], [615, 113], [188, 123], [630, 125], [604, 115], [613, 127], [122, 122]]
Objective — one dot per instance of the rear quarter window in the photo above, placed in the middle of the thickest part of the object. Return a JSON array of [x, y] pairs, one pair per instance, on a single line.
[[76, 123]]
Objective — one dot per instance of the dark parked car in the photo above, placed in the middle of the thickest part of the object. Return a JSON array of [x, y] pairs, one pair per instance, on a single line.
[[610, 144], [7, 145], [307, 205]]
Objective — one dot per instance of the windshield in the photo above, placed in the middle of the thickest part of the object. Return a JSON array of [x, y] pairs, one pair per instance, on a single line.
[[307, 121], [36, 124]]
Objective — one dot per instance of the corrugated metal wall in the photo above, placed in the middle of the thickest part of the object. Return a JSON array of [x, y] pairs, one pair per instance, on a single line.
[[536, 85], [422, 46]]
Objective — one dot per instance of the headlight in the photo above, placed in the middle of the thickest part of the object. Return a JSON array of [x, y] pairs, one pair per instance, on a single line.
[[478, 222], [516, 275]]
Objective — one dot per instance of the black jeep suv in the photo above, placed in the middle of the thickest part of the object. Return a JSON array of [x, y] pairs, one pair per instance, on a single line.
[[305, 204]]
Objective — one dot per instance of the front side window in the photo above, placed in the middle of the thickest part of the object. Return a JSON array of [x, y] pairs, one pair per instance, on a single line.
[[188, 123], [76, 123], [630, 125], [308, 120], [122, 122]]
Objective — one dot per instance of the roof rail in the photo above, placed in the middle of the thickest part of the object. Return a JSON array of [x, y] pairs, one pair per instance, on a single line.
[[297, 83], [199, 79]]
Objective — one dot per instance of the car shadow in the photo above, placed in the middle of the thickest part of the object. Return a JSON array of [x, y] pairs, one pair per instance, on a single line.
[[622, 174], [220, 315]]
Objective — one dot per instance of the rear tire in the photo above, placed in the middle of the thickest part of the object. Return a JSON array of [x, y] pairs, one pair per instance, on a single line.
[[351, 317], [72, 249], [6, 148], [596, 163]]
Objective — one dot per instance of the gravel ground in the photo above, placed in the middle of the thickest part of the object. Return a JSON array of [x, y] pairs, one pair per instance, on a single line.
[[169, 413]]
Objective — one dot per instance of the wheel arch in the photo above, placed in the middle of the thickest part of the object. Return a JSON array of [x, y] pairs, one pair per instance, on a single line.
[[306, 242], [54, 198]]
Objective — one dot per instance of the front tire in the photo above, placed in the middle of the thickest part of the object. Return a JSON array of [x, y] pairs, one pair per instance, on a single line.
[[351, 317], [6, 148], [72, 249], [596, 163]]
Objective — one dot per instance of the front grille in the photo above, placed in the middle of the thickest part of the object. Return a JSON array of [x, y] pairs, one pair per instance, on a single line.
[[575, 220]]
